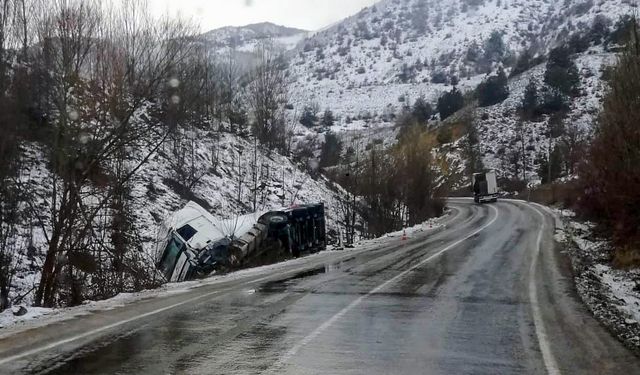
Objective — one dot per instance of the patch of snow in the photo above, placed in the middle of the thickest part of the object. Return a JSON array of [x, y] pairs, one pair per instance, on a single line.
[[7, 318], [621, 284]]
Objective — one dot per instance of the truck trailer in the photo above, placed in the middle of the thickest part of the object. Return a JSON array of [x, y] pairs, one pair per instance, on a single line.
[[485, 187]]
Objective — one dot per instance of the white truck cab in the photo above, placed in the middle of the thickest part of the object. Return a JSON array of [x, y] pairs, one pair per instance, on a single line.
[[185, 236]]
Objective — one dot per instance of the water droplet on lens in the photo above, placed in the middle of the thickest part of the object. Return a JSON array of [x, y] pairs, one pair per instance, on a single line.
[[174, 83], [73, 114]]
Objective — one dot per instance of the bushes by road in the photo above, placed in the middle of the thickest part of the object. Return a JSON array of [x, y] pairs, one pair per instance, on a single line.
[[611, 173]]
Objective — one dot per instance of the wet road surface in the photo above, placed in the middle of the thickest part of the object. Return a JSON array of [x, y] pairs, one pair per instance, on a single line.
[[490, 293]]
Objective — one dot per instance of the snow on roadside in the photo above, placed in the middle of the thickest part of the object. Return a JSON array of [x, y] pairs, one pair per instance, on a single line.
[[38, 317], [612, 295], [625, 289], [7, 317], [431, 224]]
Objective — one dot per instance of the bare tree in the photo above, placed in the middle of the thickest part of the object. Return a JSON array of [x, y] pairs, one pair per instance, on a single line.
[[347, 204], [68, 36], [127, 57], [14, 86], [267, 95]]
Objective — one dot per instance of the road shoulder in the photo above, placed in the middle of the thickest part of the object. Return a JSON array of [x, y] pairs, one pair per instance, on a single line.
[[611, 295], [580, 342]]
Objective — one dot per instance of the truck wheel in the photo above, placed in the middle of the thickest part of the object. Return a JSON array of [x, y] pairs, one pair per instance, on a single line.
[[278, 219]]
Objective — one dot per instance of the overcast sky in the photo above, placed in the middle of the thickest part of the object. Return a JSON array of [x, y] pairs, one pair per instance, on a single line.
[[304, 14]]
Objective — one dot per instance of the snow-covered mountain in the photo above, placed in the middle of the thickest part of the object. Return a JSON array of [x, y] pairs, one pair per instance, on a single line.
[[247, 38], [371, 65], [397, 49]]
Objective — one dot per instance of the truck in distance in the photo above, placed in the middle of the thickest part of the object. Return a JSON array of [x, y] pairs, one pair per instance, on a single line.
[[485, 187]]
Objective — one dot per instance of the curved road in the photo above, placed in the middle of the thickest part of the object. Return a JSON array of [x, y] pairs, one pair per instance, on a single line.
[[488, 293]]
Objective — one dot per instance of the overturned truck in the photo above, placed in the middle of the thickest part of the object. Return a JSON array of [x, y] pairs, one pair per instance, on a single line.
[[193, 244]]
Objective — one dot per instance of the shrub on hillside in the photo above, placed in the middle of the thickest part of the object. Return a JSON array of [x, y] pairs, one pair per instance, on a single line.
[[328, 119], [331, 150], [579, 43], [421, 110], [494, 48], [309, 116], [562, 73], [611, 175], [621, 31], [530, 101], [439, 77], [407, 73], [553, 101], [450, 103], [493, 90], [600, 29]]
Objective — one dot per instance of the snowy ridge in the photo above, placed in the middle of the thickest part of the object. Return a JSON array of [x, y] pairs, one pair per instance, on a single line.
[[353, 67], [247, 38]]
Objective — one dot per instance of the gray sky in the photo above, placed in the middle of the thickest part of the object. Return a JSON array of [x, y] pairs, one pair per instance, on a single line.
[[304, 14]]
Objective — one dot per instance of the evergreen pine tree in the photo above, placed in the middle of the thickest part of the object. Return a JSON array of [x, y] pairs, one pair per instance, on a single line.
[[450, 103], [562, 72]]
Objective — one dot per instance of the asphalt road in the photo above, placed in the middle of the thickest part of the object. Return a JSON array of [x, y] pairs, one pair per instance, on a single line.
[[490, 293]]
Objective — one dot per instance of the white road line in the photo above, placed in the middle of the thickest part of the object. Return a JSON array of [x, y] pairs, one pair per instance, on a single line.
[[101, 329], [53, 345], [340, 258], [543, 340], [324, 326]]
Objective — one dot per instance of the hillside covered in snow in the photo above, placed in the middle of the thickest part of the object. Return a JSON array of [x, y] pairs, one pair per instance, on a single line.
[[225, 173], [371, 67], [417, 47]]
